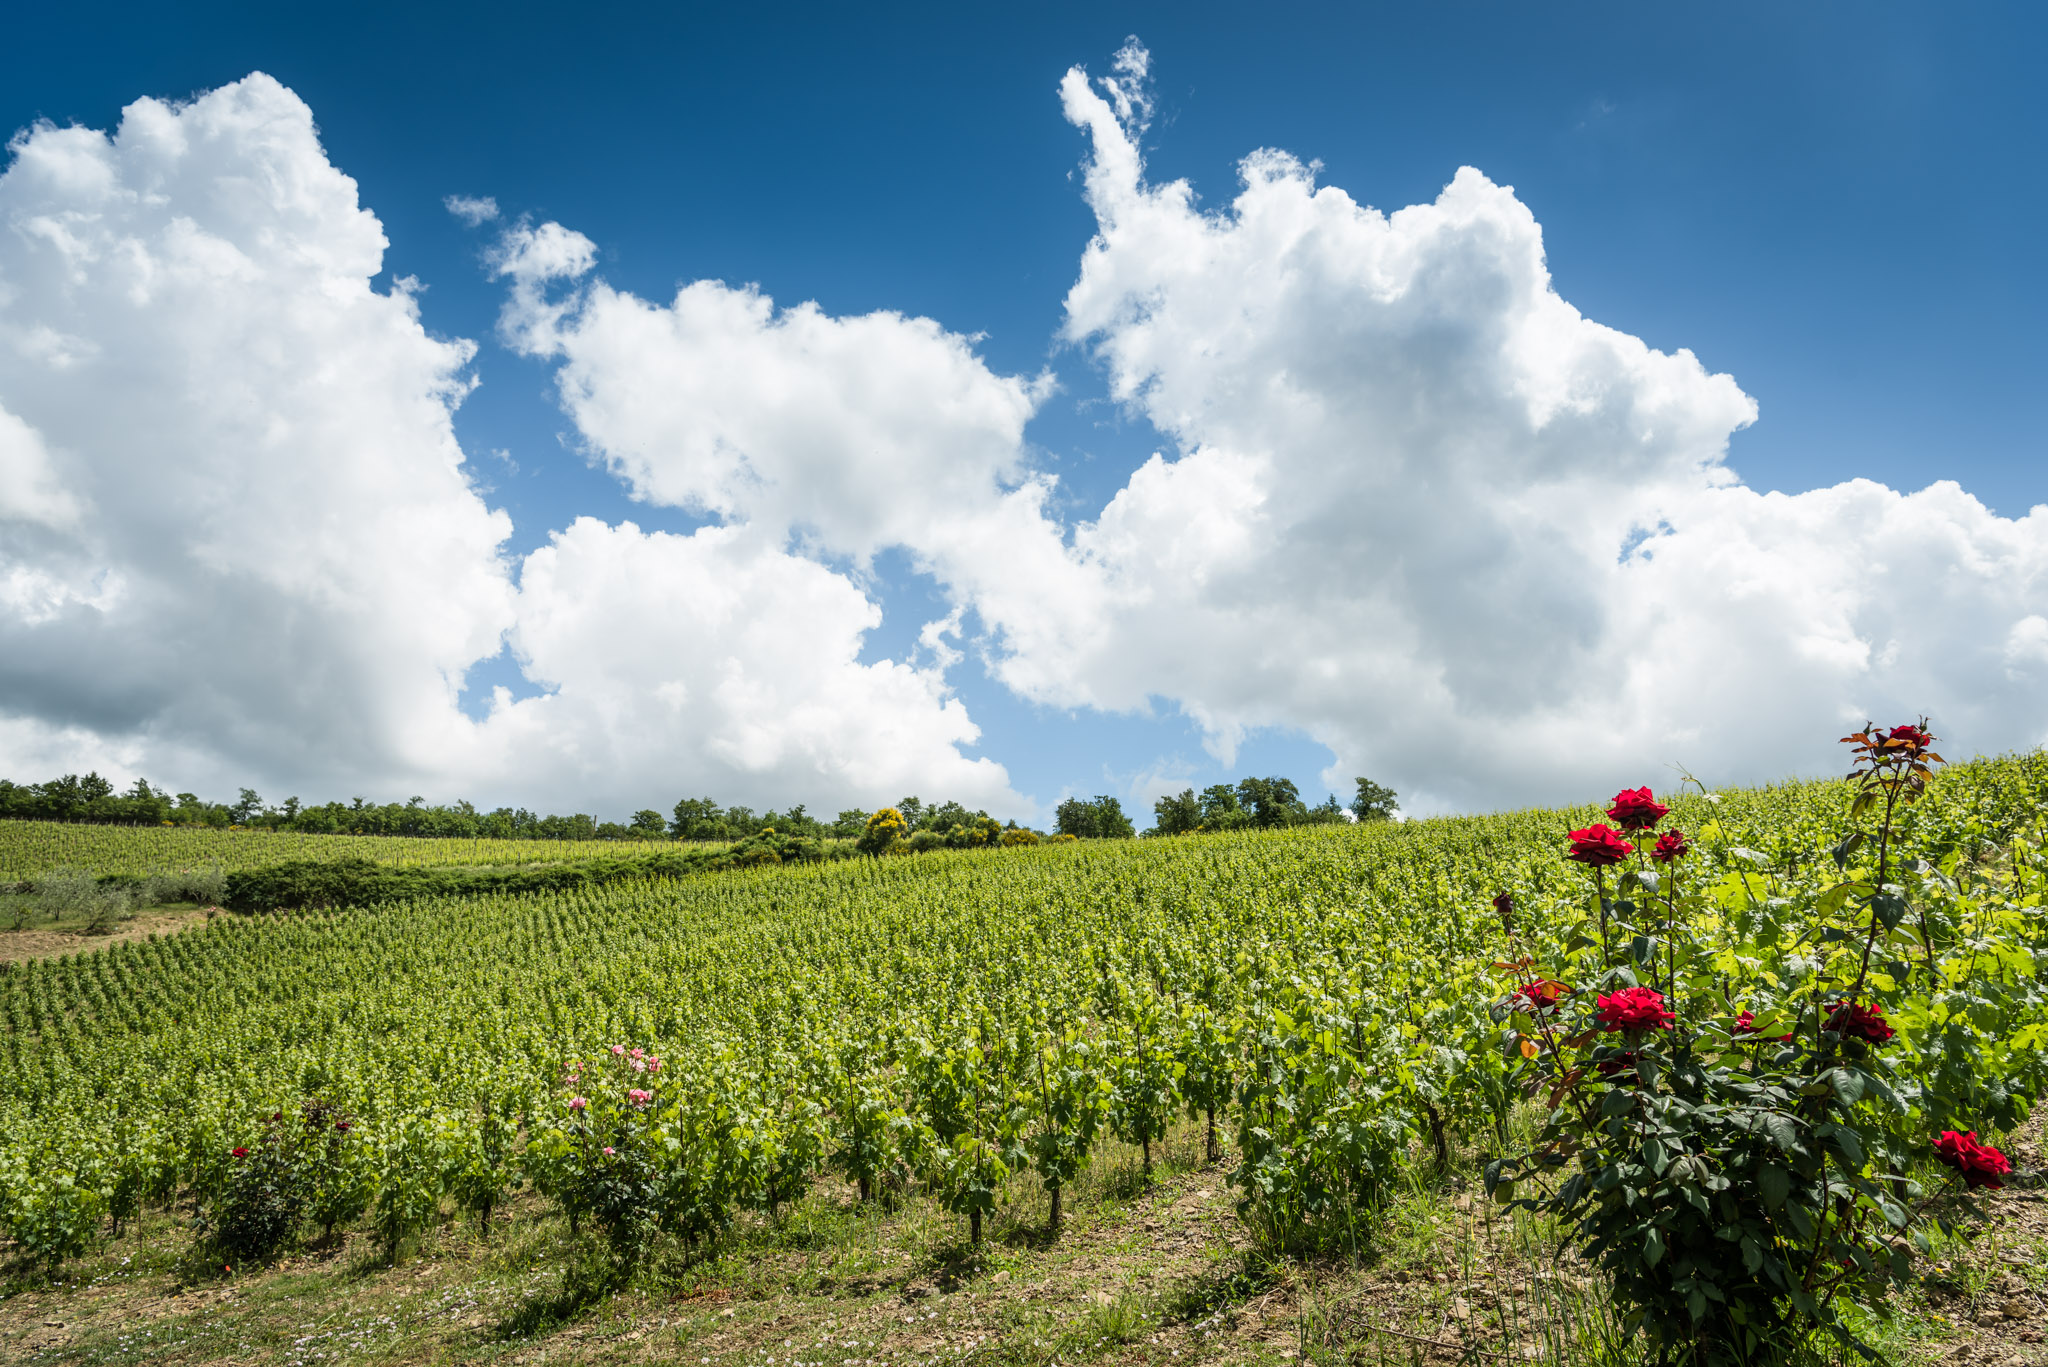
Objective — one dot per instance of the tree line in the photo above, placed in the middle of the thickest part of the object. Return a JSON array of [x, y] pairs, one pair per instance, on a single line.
[[1260, 804], [1257, 803]]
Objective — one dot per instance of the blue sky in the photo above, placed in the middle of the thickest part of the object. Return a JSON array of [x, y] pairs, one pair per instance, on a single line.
[[1837, 207]]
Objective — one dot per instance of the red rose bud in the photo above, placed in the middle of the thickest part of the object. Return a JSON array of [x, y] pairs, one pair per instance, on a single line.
[[238, 1153], [341, 1125], [1980, 1164], [1851, 1021], [1745, 1024], [1635, 810], [1633, 1008], [1542, 993], [1625, 1061], [1599, 846], [1505, 905], [1671, 845]]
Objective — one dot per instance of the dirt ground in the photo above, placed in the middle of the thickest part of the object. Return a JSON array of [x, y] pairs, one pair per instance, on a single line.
[[46, 942]]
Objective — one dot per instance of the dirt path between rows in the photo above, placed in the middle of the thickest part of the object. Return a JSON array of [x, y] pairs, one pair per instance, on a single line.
[[19, 945]]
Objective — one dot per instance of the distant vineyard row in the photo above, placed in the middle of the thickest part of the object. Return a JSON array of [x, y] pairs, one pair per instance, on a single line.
[[28, 848]]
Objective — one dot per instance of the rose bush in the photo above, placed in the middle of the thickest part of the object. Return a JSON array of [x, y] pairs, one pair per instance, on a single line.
[[1752, 1070]]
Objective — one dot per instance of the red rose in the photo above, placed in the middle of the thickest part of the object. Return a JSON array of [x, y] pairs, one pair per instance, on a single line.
[[1909, 738], [1851, 1021], [238, 1153], [1980, 1164], [1633, 1008], [1599, 846], [1542, 993], [1745, 1024], [1635, 810], [341, 1125], [1671, 845], [1505, 905]]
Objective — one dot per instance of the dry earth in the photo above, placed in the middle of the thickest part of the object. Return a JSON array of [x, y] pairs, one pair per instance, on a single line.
[[44, 942]]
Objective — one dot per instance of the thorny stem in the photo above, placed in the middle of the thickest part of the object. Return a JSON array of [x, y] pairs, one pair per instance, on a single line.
[[1600, 886], [1884, 836]]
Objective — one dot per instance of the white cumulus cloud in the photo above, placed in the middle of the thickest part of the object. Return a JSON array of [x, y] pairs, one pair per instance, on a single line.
[[718, 662], [858, 433], [238, 538], [1483, 547], [238, 541]]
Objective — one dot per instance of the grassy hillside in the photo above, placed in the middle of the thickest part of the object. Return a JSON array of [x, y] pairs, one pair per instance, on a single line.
[[1294, 1032]]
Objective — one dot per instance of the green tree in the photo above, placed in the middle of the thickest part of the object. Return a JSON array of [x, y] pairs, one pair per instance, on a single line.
[[1221, 811], [1100, 819], [883, 830], [1373, 802], [1327, 812], [696, 818], [1271, 801], [648, 825], [1176, 815]]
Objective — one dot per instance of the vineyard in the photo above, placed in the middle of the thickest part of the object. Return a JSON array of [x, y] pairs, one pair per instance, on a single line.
[[1330, 1014], [29, 848]]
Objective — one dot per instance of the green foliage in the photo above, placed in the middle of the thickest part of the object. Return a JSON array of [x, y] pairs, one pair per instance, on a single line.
[[1177, 815], [1374, 802], [1144, 1074], [1322, 1121], [340, 1167], [1101, 818], [1744, 1065], [256, 1211], [942, 1022], [1062, 1109], [52, 1212], [352, 881], [884, 829]]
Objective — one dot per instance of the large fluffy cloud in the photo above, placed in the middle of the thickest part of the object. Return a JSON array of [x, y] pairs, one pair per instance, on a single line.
[[236, 536], [854, 434], [716, 662], [1478, 544], [237, 541]]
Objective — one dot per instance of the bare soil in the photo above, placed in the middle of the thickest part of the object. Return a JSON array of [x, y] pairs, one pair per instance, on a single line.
[[49, 941]]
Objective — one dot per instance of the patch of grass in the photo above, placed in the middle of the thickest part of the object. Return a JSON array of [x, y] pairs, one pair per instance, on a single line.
[[1160, 1274]]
